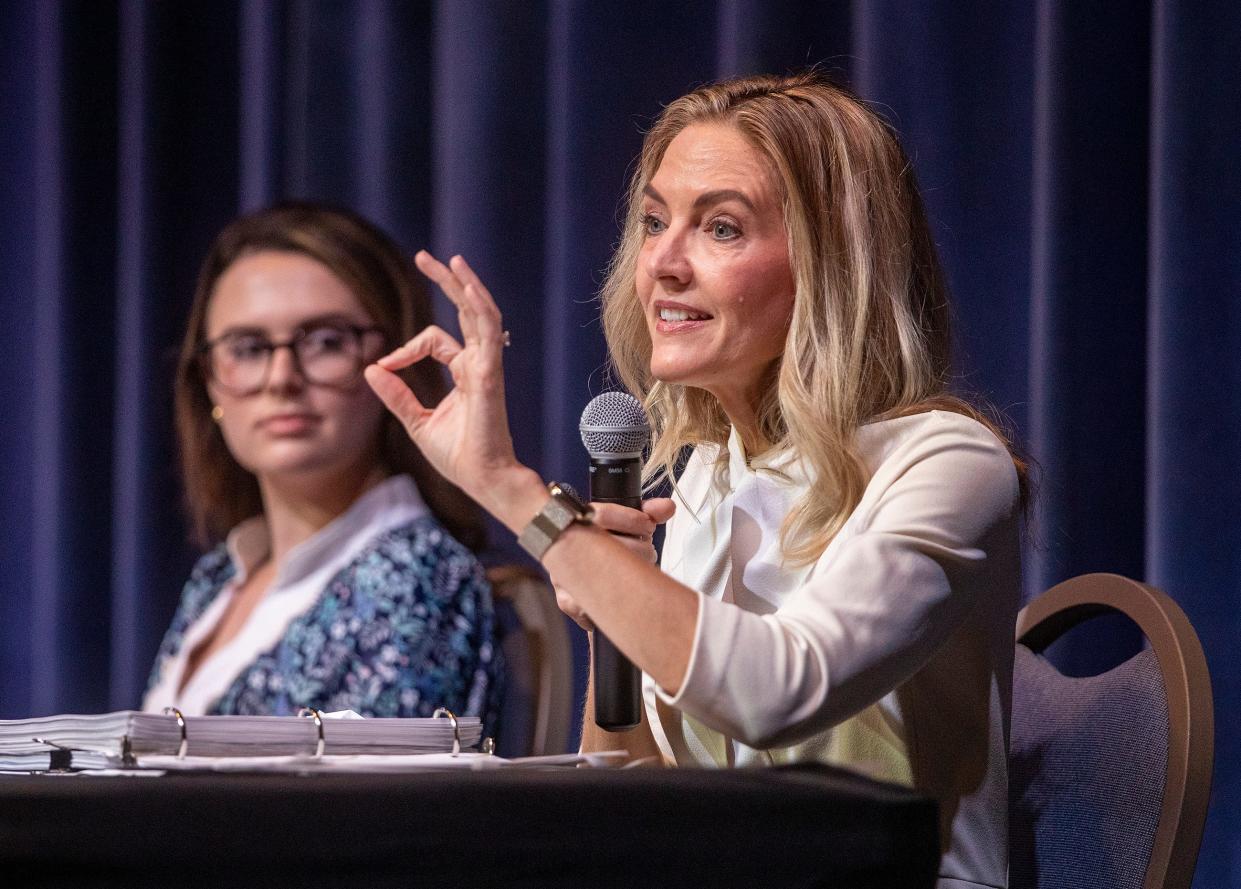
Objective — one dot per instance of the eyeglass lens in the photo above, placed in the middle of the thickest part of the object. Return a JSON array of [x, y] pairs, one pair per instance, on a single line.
[[326, 354]]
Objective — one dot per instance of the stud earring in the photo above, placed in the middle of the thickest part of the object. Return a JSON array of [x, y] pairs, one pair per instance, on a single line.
[[217, 413]]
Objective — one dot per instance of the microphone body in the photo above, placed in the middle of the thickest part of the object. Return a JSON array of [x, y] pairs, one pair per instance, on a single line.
[[618, 684], [615, 431]]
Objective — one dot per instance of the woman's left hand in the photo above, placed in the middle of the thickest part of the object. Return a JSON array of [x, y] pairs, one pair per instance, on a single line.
[[466, 436], [633, 528]]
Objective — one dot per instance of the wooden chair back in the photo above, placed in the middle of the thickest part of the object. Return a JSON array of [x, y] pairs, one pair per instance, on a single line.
[[1182, 804], [538, 699]]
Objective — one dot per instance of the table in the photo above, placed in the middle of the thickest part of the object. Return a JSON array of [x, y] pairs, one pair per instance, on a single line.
[[779, 827]]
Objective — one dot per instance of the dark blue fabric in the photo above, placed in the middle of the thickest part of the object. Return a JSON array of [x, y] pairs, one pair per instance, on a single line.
[[1087, 763], [1079, 163]]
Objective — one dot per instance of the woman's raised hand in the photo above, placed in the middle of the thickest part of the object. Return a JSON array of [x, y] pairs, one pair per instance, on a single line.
[[466, 436]]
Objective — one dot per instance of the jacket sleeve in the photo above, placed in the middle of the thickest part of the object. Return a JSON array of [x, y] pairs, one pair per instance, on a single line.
[[880, 601]]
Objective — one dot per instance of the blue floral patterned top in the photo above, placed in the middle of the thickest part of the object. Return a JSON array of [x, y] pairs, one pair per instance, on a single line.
[[407, 626]]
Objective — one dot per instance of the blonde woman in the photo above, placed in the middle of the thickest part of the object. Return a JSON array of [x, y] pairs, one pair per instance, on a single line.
[[840, 579]]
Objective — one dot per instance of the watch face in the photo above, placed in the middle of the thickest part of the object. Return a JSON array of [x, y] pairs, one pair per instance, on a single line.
[[567, 491]]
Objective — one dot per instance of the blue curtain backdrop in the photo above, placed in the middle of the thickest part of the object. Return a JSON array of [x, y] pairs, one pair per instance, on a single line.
[[1080, 165]]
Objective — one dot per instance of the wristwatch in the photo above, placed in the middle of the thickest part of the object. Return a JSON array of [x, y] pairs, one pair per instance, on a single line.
[[564, 508]]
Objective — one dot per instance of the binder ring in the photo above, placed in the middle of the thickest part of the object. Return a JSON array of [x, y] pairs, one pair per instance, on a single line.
[[185, 740], [318, 717], [456, 730]]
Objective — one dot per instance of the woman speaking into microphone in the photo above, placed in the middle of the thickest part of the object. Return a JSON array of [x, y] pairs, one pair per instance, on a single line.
[[840, 579]]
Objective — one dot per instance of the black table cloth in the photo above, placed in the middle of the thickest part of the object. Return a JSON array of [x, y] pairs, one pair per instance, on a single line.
[[794, 827]]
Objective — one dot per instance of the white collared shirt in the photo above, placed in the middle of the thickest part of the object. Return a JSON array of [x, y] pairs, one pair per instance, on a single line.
[[302, 579], [890, 654]]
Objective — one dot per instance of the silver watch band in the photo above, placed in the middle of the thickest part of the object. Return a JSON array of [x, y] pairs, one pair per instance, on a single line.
[[558, 513]]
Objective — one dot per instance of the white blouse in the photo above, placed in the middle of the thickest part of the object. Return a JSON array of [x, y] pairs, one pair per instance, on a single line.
[[306, 572], [891, 654]]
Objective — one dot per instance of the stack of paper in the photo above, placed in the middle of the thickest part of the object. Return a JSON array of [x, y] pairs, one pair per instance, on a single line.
[[393, 764], [125, 737]]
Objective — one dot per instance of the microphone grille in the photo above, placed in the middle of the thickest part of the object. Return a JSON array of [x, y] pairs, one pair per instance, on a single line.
[[614, 425]]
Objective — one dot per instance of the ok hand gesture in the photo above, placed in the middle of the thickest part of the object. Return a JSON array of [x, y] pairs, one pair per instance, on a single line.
[[466, 437]]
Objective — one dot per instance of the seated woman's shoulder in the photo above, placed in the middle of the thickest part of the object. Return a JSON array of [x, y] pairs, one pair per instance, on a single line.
[[958, 450], [212, 570], [934, 428], [416, 560], [421, 539], [970, 428], [212, 563]]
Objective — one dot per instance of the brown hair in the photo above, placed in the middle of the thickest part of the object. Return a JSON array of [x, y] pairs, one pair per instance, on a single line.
[[219, 492], [869, 336]]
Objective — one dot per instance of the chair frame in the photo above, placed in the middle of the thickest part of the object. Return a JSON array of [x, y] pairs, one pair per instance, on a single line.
[[1191, 719], [544, 626]]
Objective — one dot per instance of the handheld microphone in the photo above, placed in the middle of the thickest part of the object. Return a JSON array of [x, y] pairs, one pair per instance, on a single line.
[[615, 431]]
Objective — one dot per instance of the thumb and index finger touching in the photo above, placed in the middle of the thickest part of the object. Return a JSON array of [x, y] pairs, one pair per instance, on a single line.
[[462, 287], [479, 318], [431, 342]]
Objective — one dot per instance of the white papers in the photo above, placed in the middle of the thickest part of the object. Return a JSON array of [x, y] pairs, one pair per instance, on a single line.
[[42, 761], [371, 764], [151, 765], [109, 738]]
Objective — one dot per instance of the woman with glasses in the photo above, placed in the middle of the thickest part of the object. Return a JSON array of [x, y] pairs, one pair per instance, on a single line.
[[341, 574]]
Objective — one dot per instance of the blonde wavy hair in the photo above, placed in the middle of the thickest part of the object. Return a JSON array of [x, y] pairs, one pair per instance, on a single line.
[[869, 336]]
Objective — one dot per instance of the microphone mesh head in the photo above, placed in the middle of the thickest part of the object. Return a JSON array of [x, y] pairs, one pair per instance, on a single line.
[[614, 425]]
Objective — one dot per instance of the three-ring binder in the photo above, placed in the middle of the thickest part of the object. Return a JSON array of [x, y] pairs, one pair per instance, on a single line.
[[134, 740]]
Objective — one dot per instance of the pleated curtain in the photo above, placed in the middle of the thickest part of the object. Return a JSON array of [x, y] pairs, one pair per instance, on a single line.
[[1080, 163]]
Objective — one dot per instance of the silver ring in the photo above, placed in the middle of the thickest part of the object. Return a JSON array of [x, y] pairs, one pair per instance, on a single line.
[[311, 711], [452, 719], [508, 339], [184, 746]]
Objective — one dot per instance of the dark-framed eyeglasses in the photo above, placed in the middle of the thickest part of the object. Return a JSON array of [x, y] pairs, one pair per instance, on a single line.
[[326, 353]]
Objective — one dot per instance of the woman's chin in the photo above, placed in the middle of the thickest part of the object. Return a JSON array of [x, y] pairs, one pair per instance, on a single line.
[[676, 373], [290, 464]]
